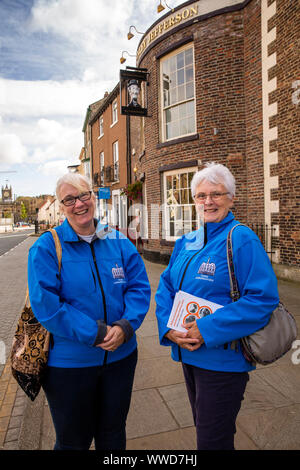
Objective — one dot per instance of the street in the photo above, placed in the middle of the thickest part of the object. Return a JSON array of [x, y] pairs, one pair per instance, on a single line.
[[12, 239]]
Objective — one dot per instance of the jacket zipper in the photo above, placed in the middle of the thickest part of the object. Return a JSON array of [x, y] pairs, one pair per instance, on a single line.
[[102, 291]]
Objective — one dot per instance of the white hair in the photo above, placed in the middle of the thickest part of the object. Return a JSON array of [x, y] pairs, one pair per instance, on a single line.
[[214, 173], [78, 181]]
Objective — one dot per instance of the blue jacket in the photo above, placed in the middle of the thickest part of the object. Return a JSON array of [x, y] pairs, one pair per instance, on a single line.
[[257, 284], [105, 280]]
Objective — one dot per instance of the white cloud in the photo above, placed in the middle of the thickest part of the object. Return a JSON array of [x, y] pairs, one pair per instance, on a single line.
[[81, 22], [48, 98], [55, 168], [11, 149], [57, 141]]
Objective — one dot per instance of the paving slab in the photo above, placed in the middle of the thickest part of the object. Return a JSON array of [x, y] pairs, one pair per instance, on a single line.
[[154, 372], [148, 414], [181, 439], [149, 347], [261, 396], [176, 398], [273, 429]]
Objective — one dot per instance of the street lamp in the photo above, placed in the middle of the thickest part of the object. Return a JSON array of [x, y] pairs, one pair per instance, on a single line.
[[122, 59], [130, 34], [160, 7]]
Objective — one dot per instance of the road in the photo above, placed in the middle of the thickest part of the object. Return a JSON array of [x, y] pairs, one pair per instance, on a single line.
[[12, 239]]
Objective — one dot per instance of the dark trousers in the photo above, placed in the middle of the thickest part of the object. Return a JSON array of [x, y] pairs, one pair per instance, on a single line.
[[90, 402], [215, 399]]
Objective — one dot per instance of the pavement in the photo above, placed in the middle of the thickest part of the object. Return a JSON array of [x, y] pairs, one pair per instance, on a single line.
[[160, 417]]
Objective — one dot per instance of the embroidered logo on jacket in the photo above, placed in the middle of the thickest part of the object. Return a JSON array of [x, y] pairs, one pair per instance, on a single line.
[[207, 268], [118, 273]]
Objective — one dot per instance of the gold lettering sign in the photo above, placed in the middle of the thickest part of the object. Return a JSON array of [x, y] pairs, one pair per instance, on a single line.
[[169, 23]]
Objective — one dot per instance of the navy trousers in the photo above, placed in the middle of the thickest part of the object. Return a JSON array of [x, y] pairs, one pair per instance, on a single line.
[[90, 402], [215, 399]]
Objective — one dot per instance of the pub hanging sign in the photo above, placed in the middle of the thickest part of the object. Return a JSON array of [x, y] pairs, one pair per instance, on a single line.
[[134, 98]]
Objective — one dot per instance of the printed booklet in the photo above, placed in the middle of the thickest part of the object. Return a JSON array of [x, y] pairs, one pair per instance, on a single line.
[[187, 308]]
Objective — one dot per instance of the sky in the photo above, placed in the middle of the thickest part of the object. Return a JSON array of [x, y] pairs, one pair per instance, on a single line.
[[56, 58]]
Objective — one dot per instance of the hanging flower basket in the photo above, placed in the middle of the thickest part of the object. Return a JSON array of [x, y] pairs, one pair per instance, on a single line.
[[133, 191]]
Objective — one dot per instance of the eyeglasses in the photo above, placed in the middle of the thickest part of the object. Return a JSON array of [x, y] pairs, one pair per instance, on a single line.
[[71, 200], [201, 197]]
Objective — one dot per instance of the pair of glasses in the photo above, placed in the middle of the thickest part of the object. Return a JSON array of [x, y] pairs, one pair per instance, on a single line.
[[201, 197], [71, 200]]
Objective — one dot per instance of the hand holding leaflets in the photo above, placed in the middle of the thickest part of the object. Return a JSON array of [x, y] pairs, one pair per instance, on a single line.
[[186, 310]]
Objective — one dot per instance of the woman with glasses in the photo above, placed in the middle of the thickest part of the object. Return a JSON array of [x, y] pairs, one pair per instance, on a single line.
[[92, 308], [216, 373]]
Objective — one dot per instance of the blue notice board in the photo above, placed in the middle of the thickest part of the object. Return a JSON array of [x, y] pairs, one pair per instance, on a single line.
[[104, 193]]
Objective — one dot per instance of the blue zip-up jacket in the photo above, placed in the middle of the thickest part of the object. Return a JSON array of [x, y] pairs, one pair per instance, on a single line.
[[257, 285], [101, 282]]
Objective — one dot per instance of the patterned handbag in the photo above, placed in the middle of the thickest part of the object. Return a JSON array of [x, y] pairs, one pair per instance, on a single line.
[[30, 348]]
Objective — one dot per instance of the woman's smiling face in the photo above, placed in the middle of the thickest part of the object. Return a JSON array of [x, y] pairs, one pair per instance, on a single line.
[[81, 214], [215, 210]]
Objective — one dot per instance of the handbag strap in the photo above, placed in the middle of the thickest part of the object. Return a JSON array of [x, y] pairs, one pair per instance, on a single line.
[[57, 246], [234, 290], [59, 256]]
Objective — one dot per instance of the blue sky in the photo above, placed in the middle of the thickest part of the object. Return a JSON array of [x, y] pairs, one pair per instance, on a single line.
[[56, 58]]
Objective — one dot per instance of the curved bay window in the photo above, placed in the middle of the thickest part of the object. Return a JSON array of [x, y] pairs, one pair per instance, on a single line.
[[178, 93], [179, 208]]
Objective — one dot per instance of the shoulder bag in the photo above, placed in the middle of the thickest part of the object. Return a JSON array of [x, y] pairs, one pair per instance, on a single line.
[[30, 348], [274, 340]]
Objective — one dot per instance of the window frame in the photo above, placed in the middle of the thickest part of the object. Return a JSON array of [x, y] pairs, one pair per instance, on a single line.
[[166, 220], [101, 167], [114, 107], [101, 126], [163, 108], [116, 161]]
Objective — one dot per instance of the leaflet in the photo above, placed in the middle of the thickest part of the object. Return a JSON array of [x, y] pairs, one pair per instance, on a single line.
[[187, 308]]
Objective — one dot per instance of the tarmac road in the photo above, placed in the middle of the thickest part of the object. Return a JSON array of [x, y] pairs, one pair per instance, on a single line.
[[9, 240]]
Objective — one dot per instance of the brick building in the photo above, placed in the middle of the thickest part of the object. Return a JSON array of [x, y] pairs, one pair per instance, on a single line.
[[109, 158], [223, 87]]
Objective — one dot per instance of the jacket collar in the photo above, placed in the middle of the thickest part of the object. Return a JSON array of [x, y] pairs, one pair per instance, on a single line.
[[69, 234], [213, 228]]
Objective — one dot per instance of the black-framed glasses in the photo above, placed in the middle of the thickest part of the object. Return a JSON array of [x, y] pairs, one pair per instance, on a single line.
[[201, 197], [71, 200]]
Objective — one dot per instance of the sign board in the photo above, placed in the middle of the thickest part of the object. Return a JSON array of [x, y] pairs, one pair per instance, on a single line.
[[104, 193], [133, 80]]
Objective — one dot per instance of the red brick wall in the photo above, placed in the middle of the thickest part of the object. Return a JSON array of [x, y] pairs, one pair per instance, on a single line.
[[228, 77], [105, 144], [219, 76], [287, 20], [253, 115]]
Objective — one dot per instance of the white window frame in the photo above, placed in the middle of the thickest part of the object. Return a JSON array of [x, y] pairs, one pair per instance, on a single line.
[[114, 107], [101, 166], [178, 103], [119, 209], [116, 160], [87, 168], [101, 128], [178, 208]]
